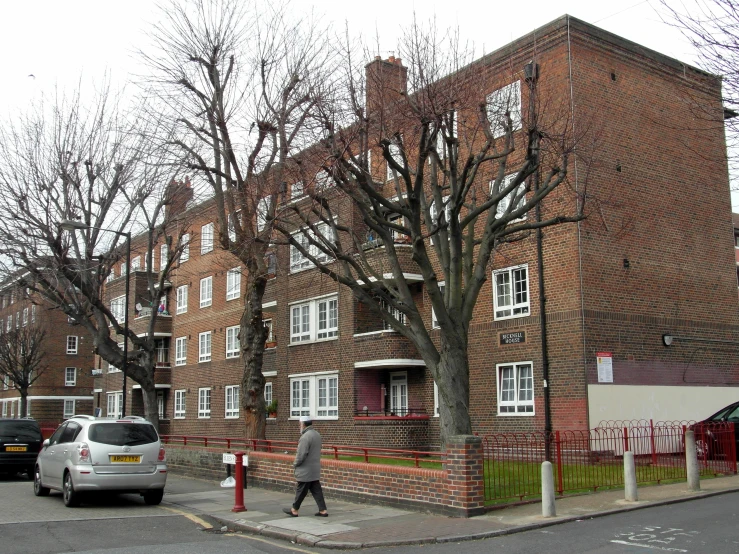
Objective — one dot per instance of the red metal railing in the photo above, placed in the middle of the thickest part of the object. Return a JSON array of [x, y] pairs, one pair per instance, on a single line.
[[590, 460], [368, 455]]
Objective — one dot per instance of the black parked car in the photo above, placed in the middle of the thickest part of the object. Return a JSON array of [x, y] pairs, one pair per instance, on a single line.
[[708, 431], [20, 442]]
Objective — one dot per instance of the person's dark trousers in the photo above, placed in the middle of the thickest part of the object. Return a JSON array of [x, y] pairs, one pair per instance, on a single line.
[[301, 491]]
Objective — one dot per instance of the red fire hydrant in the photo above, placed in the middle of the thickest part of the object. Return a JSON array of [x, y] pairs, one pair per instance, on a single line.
[[239, 493]]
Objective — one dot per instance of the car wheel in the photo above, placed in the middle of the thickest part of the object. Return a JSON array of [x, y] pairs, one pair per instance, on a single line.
[[153, 497], [71, 498], [38, 488]]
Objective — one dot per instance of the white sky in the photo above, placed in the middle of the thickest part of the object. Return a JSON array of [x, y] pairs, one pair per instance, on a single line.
[[60, 42]]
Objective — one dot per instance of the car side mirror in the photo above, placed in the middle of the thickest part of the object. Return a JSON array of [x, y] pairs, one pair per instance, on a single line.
[[45, 443]]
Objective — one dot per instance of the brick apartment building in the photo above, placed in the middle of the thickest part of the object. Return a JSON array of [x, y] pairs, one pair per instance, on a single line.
[[65, 384], [654, 260]]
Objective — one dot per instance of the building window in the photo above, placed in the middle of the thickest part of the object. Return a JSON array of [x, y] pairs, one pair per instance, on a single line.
[[515, 389], [262, 210], [233, 347], [501, 103], [180, 353], [314, 320], [68, 409], [115, 405], [70, 376], [436, 400], [232, 402], [182, 299], [517, 195], [206, 238], [434, 320], [9, 326], [395, 154], [269, 335], [206, 292], [233, 283], [160, 404], [511, 292], [163, 255], [298, 261], [395, 312], [204, 403], [33, 315], [399, 393], [179, 404], [315, 395], [136, 263], [297, 190], [268, 393], [25, 317], [118, 308], [204, 344], [185, 242], [72, 342]]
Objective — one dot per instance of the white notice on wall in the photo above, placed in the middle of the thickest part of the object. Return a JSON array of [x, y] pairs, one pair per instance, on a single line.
[[605, 367]]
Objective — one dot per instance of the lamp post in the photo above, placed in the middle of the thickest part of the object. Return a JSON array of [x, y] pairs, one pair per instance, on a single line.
[[70, 225]]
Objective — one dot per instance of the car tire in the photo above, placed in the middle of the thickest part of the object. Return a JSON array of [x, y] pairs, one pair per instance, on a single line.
[[38, 488], [70, 496], [153, 497]]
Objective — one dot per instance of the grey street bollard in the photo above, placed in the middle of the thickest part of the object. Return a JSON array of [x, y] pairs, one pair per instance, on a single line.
[[547, 491], [630, 490], [691, 462]]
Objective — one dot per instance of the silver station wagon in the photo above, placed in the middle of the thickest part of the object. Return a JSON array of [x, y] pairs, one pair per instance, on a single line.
[[88, 454]]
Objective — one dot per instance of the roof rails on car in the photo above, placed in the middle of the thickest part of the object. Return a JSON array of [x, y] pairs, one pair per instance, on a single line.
[[82, 416], [131, 418]]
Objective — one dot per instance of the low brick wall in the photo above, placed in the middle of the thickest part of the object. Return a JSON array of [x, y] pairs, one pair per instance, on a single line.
[[456, 490]]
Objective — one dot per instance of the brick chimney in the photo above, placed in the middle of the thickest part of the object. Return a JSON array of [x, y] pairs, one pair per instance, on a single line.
[[180, 193], [387, 82]]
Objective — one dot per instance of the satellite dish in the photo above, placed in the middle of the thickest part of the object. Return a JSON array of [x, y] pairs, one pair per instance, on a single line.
[[138, 307]]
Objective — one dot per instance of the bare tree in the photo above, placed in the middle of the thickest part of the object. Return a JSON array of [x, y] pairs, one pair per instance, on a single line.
[[241, 81], [439, 174], [91, 162], [22, 353], [712, 27]]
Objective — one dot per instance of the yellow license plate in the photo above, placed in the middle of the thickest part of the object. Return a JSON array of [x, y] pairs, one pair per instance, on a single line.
[[119, 459], [16, 448]]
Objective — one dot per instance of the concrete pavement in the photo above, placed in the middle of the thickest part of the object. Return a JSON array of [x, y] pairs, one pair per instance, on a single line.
[[353, 525]]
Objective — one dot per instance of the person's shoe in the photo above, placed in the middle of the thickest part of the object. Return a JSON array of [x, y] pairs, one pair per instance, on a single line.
[[319, 514], [289, 511]]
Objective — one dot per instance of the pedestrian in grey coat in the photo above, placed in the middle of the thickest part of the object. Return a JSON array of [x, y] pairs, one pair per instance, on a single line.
[[307, 466]]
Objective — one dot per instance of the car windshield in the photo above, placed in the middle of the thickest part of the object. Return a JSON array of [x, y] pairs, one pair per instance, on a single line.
[[122, 434], [27, 430]]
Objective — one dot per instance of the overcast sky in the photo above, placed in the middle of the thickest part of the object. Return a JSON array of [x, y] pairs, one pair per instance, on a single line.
[[49, 43]]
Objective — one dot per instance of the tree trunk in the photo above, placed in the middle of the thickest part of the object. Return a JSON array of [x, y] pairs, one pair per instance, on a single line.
[[24, 402], [151, 409], [453, 380], [252, 336]]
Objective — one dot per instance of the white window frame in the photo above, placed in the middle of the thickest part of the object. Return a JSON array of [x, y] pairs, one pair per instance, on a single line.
[[135, 263], [67, 381], [299, 262], [395, 312], [395, 154], [306, 328], [163, 255], [181, 299], [434, 321], [185, 243], [399, 393], [116, 404], [323, 181], [233, 283], [73, 343], [504, 202], [436, 400], [180, 351], [522, 385], [268, 392], [270, 333], [118, 308], [206, 292], [233, 345], [179, 404], [232, 402], [309, 389], [204, 398], [497, 103], [68, 410], [205, 346], [33, 315], [297, 190], [262, 210], [518, 307], [160, 404], [206, 238], [25, 316]]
